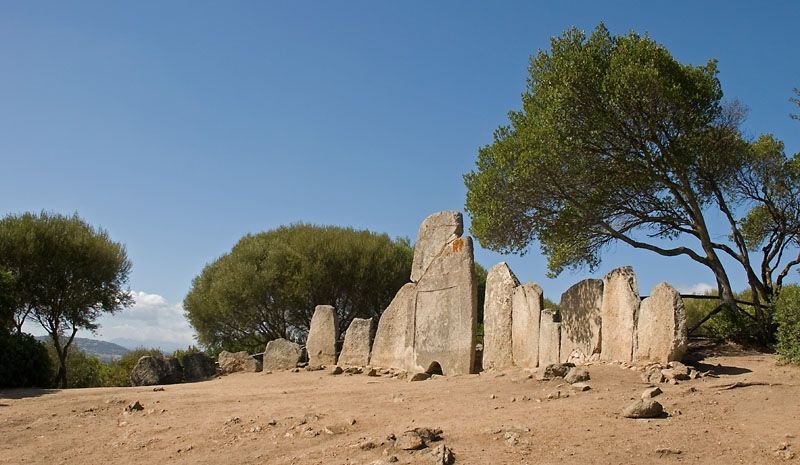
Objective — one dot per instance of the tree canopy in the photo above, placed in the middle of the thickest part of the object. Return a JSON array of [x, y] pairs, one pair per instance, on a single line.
[[65, 275], [617, 141], [268, 285]]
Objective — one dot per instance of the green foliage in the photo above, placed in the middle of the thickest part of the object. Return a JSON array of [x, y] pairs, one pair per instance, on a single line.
[[24, 361], [727, 325], [787, 315], [269, 284], [66, 274], [6, 299], [189, 350], [118, 372]]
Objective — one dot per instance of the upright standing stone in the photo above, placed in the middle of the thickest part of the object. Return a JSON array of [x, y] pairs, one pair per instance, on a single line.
[[661, 334], [394, 341], [446, 311], [497, 308], [581, 320], [436, 231], [281, 354], [549, 338], [357, 343], [525, 316], [620, 305], [322, 336]]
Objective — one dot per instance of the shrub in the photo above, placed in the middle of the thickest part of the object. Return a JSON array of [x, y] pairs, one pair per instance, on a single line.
[[727, 325], [23, 361], [787, 316]]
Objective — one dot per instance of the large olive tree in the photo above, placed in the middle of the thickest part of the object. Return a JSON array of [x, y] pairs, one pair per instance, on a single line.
[[65, 273], [617, 141], [267, 286]]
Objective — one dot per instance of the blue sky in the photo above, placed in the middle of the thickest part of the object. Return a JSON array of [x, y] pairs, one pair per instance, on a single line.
[[181, 126]]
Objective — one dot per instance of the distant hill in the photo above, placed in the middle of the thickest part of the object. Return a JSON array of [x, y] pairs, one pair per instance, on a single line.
[[105, 351]]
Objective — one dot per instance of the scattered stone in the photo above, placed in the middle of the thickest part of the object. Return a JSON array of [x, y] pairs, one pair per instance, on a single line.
[[158, 389], [442, 455], [337, 370], [409, 440], [367, 445], [581, 387], [526, 309], [372, 372], [651, 392], [643, 408], [281, 354], [676, 373], [134, 407], [557, 394], [353, 370], [314, 368], [664, 451], [232, 362], [554, 370], [661, 334], [150, 371], [576, 375], [322, 336], [497, 311], [618, 310], [581, 321], [420, 377], [357, 343]]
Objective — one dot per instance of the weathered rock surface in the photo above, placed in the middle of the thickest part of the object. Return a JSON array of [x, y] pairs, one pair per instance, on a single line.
[[581, 320], [394, 340], [619, 308], [357, 343], [436, 231], [577, 375], [497, 310], [661, 334], [526, 312], [150, 371], [549, 338], [281, 354], [322, 336], [446, 311], [198, 367], [649, 393], [231, 362], [643, 408], [554, 370]]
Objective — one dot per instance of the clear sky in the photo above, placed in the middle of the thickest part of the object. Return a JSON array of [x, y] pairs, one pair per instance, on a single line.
[[181, 126]]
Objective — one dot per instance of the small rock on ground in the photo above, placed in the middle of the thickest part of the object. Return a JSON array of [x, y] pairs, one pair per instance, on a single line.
[[644, 408]]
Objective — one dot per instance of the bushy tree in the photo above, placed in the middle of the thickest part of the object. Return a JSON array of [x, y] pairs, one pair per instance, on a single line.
[[617, 141], [788, 318], [66, 273], [6, 300], [268, 285], [24, 361]]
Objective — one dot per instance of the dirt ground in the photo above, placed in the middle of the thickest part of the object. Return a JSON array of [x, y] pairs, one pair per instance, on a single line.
[[305, 418]]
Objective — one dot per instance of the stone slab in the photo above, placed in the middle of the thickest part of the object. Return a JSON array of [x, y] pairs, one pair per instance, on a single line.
[[393, 346], [436, 231], [526, 312], [581, 320], [549, 338], [619, 308], [322, 336], [497, 322], [661, 334], [446, 311], [357, 343]]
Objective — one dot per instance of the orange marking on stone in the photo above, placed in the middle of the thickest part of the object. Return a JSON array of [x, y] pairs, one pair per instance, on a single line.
[[458, 244]]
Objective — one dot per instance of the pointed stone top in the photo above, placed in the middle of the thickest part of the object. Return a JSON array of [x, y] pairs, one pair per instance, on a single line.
[[436, 231], [502, 273]]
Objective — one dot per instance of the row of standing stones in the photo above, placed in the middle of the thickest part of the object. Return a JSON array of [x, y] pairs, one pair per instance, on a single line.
[[430, 325]]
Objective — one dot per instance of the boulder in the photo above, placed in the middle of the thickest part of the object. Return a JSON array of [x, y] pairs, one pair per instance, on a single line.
[[394, 340], [497, 326], [581, 320], [436, 231], [643, 408], [357, 343], [661, 334], [618, 310], [576, 375], [281, 354], [198, 367], [526, 309], [549, 338], [231, 362], [554, 370], [322, 336], [150, 371]]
